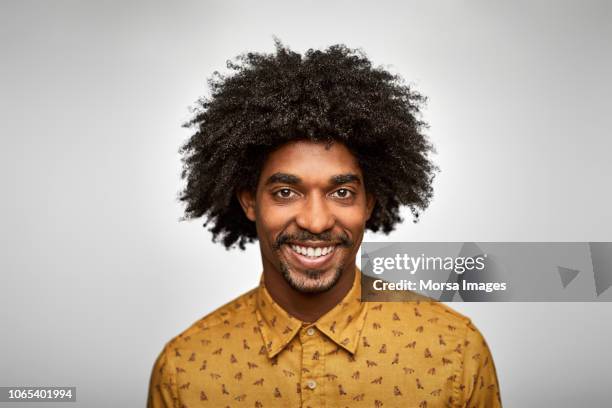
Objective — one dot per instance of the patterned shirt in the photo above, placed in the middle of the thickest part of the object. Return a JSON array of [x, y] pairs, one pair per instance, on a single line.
[[252, 353]]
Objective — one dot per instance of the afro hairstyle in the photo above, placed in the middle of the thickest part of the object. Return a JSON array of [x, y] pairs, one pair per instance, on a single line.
[[331, 95]]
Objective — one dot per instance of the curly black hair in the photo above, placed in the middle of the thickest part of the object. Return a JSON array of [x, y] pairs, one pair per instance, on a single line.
[[334, 95]]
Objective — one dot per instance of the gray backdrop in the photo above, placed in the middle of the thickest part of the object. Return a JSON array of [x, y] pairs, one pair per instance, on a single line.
[[96, 271]]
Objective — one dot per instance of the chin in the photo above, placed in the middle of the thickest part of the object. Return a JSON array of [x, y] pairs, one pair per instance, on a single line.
[[311, 280], [312, 267]]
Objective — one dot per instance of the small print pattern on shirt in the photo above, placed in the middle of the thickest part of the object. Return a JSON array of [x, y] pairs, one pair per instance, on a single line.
[[251, 353]]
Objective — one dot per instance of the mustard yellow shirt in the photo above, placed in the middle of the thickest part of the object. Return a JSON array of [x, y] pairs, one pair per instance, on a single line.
[[252, 353]]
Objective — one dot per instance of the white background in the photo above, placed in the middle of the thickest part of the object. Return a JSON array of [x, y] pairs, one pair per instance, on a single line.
[[96, 271]]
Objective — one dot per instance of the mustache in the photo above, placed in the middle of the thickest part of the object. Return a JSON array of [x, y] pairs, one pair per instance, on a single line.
[[301, 236]]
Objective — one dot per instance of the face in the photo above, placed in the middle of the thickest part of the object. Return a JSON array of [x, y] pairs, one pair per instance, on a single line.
[[310, 210]]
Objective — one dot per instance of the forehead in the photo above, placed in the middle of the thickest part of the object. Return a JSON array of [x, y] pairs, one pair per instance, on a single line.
[[309, 159]]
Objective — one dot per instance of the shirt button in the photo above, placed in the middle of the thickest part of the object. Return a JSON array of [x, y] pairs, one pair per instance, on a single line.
[[310, 332], [312, 384]]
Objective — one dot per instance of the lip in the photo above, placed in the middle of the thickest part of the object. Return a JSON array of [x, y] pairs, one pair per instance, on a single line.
[[306, 262], [314, 244]]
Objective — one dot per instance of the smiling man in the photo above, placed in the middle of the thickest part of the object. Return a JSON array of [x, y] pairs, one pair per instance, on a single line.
[[309, 209], [303, 154]]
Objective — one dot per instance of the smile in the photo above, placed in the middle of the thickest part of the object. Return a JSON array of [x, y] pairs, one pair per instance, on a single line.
[[312, 252], [310, 257]]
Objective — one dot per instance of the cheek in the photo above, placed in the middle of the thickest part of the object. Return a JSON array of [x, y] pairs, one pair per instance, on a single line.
[[273, 219], [353, 218]]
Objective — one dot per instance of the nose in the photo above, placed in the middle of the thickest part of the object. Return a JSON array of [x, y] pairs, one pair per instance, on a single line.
[[315, 215]]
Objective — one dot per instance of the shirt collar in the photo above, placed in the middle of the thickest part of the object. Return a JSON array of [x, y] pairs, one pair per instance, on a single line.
[[342, 324]]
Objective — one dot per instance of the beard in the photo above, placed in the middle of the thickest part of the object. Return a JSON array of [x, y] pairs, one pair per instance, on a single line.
[[311, 280]]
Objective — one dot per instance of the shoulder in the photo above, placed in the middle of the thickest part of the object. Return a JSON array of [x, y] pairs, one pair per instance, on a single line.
[[187, 354], [235, 314], [445, 313], [419, 308], [429, 318]]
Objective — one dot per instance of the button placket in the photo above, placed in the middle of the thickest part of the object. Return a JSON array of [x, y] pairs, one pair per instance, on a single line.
[[314, 367]]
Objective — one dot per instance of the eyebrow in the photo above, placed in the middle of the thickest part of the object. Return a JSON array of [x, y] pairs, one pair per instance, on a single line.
[[283, 178], [336, 180], [344, 179]]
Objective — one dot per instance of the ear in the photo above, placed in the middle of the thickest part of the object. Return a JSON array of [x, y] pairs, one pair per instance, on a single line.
[[370, 203], [247, 202]]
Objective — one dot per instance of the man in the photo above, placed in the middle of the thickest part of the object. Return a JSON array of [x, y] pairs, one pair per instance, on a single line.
[[303, 153]]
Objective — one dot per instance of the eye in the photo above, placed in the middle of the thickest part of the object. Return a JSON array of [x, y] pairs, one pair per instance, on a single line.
[[285, 193], [343, 193]]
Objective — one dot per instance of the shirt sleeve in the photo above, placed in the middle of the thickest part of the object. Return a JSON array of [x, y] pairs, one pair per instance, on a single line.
[[480, 385], [162, 386]]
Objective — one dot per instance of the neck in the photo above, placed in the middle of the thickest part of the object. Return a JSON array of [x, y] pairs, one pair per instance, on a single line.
[[307, 307]]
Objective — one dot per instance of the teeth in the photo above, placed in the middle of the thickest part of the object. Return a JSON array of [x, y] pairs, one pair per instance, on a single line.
[[312, 252]]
